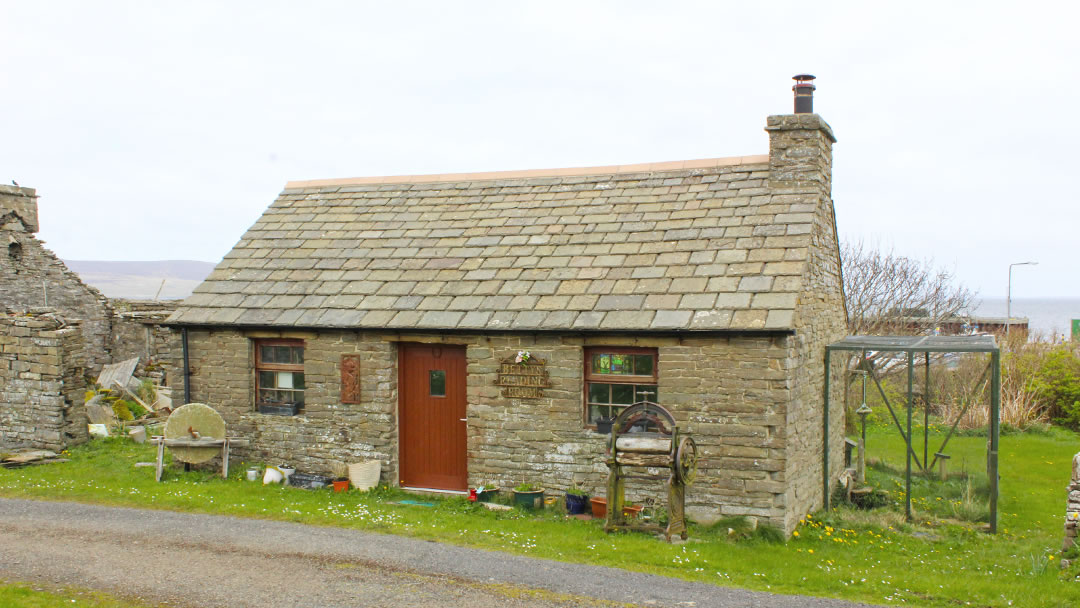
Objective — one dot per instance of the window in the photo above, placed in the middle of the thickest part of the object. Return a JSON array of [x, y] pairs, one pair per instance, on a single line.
[[616, 378], [279, 373], [437, 383]]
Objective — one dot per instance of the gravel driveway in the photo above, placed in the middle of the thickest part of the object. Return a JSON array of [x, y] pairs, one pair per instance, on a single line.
[[193, 560]]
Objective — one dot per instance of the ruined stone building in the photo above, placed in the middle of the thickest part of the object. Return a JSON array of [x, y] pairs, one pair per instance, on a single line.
[[377, 317], [31, 276], [55, 331]]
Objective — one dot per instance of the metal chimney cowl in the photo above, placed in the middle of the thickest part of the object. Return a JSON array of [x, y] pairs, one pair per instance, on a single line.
[[804, 93]]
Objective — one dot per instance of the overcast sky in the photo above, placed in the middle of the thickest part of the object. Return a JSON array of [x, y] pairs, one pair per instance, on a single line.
[[161, 130]]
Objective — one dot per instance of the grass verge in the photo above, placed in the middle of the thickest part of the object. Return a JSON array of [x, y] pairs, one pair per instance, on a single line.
[[22, 595], [870, 556]]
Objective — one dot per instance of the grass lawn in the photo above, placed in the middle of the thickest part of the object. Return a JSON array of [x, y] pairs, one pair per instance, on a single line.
[[871, 556], [19, 595]]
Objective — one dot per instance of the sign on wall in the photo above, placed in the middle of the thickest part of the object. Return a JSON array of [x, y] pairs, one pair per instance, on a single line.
[[523, 377], [350, 378]]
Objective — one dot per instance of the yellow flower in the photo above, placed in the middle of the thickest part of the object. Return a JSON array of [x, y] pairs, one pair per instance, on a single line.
[[795, 533], [811, 550], [1050, 557]]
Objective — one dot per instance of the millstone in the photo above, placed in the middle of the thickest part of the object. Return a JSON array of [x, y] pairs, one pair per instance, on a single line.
[[197, 417]]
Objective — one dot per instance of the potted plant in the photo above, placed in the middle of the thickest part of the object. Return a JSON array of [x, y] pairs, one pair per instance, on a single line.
[[603, 425], [486, 492], [577, 501], [529, 496], [340, 472], [279, 409]]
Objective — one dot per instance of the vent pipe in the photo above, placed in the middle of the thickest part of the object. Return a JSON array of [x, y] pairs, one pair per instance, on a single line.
[[804, 93]]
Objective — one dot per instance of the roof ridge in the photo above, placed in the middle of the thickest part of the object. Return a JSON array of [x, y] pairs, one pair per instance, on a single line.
[[701, 163]]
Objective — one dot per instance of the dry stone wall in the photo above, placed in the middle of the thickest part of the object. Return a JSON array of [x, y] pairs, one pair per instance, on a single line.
[[32, 276], [137, 332], [42, 362], [1072, 509]]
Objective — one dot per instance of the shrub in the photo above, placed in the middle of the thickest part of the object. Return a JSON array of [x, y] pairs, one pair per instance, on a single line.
[[122, 411]]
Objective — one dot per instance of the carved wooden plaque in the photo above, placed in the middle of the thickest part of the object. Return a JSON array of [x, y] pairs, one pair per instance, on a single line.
[[523, 380], [350, 378]]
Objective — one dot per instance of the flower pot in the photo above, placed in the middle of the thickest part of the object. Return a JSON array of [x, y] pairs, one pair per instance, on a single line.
[[575, 504], [529, 500], [341, 485], [603, 425], [365, 475], [599, 506], [487, 494]]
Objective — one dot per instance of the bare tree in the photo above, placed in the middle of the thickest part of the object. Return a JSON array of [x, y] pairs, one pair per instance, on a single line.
[[890, 294]]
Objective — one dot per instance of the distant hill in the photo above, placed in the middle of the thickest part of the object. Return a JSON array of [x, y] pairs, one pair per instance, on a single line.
[[141, 280]]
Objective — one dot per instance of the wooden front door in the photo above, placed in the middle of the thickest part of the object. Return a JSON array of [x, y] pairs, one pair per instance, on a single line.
[[432, 416]]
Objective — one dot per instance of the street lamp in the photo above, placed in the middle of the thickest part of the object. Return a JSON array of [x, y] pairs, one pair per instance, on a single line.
[[1008, 297]]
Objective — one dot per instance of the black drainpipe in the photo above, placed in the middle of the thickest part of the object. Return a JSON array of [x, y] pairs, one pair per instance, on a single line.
[[187, 367]]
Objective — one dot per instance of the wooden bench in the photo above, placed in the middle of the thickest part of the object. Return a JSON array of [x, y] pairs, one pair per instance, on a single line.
[[222, 444]]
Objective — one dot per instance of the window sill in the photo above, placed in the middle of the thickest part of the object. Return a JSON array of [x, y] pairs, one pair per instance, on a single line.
[[279, 409]]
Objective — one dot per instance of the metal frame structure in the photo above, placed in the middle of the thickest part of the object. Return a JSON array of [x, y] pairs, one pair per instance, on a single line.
[[925, 345]]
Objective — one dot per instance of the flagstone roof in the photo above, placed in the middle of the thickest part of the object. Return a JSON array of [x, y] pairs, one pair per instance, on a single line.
[[688, 245]]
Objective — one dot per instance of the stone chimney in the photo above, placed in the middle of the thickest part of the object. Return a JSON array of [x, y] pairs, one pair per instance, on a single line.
[[18, 209], [800, 145]]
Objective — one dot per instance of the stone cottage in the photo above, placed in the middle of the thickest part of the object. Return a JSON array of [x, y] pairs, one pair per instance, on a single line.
[[381, 318]]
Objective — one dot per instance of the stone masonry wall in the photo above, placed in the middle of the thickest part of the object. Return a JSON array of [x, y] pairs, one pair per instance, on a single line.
[[32, 276], [800, 172], [1072, 509], [731, 394], [137, 332], [41, 382], [222, 376]]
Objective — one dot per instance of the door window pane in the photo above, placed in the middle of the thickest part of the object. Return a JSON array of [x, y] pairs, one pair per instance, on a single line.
[[437, 383]]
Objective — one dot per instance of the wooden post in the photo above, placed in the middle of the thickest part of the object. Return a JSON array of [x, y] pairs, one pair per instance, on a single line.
[[943, 472], [160, 457]]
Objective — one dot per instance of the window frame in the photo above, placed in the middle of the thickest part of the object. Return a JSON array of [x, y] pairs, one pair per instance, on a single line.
[[261, 366], [589, 376]]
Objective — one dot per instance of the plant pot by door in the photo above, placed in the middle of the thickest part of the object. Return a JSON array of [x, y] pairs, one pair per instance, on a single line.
[[576, 504], [603, 425], [529, 500], [341, 485]]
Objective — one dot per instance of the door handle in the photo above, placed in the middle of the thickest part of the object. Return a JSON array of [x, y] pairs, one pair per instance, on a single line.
[[463, 419]]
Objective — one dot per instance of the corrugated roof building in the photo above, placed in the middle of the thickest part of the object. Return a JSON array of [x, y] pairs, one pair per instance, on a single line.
[[377, 315]]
